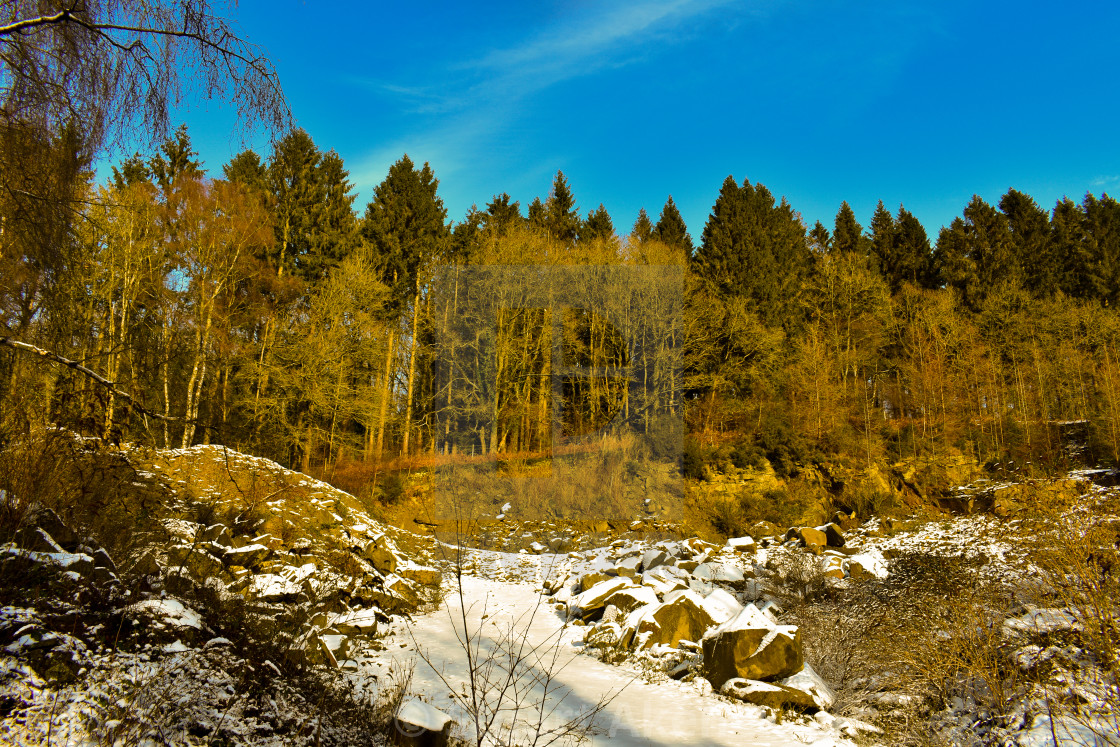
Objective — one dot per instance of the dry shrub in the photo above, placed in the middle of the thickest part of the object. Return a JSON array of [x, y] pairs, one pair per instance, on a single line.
[[93, 487]]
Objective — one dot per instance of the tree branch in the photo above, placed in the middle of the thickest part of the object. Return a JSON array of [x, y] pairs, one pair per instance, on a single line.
[[97, 378]]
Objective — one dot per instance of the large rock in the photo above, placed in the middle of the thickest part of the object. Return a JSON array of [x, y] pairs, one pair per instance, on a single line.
[[356, 622], [833, 536], [630, 599], [682, 618], [380, 556], [742, 544], [418, 723], [421, 574], [589, 602], [753, 647], [812, 536], [813, 685], [653, 558], [767, 694]]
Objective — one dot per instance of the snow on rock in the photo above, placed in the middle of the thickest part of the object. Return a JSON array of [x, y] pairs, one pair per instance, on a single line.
[[750, 646], [415, 717], [1043, 621], [808, 681], [272, 587], [168, 612]]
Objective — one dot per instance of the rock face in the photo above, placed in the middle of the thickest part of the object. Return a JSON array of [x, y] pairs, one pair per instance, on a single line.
[[752, 647]]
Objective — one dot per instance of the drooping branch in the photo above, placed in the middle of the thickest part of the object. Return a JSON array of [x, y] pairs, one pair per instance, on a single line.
[[96, 377]]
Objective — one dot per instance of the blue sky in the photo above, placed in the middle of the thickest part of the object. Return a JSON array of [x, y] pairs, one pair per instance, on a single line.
[[920, 103]]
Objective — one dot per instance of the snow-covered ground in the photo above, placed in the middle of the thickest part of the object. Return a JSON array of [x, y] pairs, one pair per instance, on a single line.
[[643, 707]]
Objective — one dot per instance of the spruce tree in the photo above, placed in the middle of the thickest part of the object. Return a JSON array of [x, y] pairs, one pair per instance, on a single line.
[[1030, 232], [1074, 266], [1102, 234], [820, 240], [597, 226], [537, 215], [643, 228], [913, 255], [754, 248], [501, 215], [847, 233], [883, 235], [405, 225], [247, 169], [561, 213], [670, 228], [975, 253], [310, 190]]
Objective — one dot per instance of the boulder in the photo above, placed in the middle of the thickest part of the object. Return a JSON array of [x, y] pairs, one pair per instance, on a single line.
[[421, 574], [418, 723], [587, 603], [767, 694], [832, 566], [761, 529], [591, 578], [47, 520], [811, 536], [722, 606], [653, 558], [685, 617], [742, 544], [833, 536], [356, 622], [809, 682], [753, 647], [629, 599], [37, 539], [718, 572], [628, 566], [380, 556]]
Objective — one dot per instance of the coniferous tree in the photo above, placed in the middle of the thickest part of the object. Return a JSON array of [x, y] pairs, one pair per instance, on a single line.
[[310, 190], [597, 226], [1071, 251], [405, 227], [561, 213], [643, 228], [754, 248], [501, 215], [537, 215], [912, 260], [670, 228], [176, 158], [247, 169], [1102, 233], [975, 253], [820, 240], [847, 233], [1030, 232], [883, 236]]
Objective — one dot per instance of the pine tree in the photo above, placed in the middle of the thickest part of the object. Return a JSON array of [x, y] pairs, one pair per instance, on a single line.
[[820, 240], [561, 213], [643, 228], [315, 225], [597, 226], [501, 215], [670, 228], [247, 169], [913, 255], [975, 253], [1071, 251], [1030, 231], [847, 233], [537, 216], [176, 158], [754, 248]]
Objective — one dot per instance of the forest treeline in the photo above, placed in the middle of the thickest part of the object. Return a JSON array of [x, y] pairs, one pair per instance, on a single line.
[[260, 309]]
